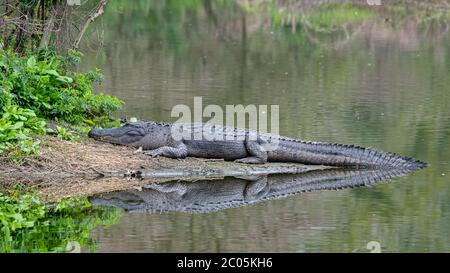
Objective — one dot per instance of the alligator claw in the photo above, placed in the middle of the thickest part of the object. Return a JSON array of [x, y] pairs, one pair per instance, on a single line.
[[152, 154]]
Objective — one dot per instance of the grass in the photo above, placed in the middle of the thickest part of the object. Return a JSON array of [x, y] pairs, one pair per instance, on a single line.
[[334, 15]]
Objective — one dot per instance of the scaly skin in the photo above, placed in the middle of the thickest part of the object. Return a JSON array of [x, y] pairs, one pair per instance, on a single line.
[[246, 146], [208, 196]]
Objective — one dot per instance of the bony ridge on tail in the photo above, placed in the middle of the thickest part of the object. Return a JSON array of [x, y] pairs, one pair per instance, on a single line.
[[245, 146]]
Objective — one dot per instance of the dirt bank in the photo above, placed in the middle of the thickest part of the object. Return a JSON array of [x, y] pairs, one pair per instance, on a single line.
[[66, 169]]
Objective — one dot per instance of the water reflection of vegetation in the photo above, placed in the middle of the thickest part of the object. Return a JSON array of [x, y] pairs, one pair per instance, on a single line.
[[27, 224], [330, 16], [174, 20]]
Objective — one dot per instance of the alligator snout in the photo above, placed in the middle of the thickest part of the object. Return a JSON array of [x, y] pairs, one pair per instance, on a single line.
[[94, 133]]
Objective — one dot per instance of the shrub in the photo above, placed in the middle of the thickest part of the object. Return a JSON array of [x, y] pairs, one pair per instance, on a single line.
[[42, 86], [17, 125], [44, 83]]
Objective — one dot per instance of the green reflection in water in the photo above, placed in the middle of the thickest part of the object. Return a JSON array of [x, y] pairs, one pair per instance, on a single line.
[[29, 225]]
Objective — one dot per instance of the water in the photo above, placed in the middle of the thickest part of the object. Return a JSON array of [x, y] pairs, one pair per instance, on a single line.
[[382, 82]]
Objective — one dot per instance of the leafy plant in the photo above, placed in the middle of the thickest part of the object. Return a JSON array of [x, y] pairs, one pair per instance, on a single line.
[[42, 86], [17, 125], [63, 134], [43, 83]]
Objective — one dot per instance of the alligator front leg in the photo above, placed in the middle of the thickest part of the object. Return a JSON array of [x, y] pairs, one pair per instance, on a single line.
[[256, 188], [167, 151], [257, 153]]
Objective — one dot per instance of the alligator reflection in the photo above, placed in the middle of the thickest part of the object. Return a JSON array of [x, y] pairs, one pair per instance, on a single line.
[[213, 195]]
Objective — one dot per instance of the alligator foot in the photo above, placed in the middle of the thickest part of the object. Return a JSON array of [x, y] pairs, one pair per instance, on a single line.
[[153, 153]]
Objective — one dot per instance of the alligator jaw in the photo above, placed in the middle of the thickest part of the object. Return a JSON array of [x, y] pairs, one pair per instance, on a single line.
[[95, 133], [107, 135], [121, 135]]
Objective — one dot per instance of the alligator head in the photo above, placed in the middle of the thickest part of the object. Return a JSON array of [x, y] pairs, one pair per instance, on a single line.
[[134, 134], [128, 134]]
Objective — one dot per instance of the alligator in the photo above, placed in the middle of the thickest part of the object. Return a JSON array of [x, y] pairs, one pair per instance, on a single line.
[[245, 146], [213, 195]]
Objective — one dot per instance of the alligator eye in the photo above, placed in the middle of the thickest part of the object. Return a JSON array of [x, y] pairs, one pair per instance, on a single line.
[[134, 133]]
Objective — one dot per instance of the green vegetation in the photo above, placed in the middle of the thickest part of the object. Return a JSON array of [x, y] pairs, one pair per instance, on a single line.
[[334, 15], [323, 17], [41, 86], [30, 225], [42, 93], [64, 134], [43, 83], [17, 125]]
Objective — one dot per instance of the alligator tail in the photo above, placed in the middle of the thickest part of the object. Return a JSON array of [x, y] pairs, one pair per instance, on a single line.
[[342, 155]]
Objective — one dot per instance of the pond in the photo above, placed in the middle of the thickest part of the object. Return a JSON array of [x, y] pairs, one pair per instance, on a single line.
[[378, 81]]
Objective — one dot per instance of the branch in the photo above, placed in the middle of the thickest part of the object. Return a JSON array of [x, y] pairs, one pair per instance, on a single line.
[[99, 11]]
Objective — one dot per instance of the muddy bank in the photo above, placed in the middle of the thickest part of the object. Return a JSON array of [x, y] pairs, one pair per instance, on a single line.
[[66, 169]]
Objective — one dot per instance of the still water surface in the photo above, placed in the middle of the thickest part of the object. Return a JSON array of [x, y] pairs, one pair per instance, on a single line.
[[373, 84]]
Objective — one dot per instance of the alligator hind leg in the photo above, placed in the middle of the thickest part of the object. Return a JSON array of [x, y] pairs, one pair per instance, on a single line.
[[257, 153]]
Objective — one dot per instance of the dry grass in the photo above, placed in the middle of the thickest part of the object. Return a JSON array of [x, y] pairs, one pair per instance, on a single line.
[[59, 157], [66, 168]]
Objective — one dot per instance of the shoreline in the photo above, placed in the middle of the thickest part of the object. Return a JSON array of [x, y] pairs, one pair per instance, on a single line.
[[68, 169]]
